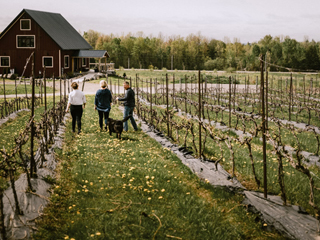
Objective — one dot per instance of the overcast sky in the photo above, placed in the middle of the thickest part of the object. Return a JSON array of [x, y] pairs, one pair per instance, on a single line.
[[247, 20]]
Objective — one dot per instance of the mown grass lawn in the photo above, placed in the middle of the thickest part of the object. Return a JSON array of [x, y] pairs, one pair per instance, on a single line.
[[21, 89], [134, 189]]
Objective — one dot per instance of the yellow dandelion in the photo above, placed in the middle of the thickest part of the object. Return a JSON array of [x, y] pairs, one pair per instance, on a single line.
[[149, 198]]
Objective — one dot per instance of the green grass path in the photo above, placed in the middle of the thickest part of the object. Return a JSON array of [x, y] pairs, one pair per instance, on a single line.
[[134, 189]]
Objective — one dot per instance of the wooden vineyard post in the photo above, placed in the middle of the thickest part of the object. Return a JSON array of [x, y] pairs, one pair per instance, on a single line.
[[151, 101], [65, 89], [199, 92], [167, 98], [83, 83], [245, 89], [2, 226], [290, 97], [45, 107], [16, 90], [310, 88], [147, 90], [60, 88], [267, 104], [263, 129], [156, 91], [281, 92], [218, 89], [45, 88], [32, 161], [272, 92], [229, 101], [142, 88], [304, 89], [54, 101], [173, 88], [4, 92], [234, 92], [40, 90], [204, 95], [186, 94], [180, 89], [137, 87]]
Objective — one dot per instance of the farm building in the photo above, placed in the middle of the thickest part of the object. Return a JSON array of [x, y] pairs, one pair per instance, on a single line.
[[54, 43]]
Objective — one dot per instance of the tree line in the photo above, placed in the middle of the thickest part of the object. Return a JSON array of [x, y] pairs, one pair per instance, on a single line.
[[196, 52]]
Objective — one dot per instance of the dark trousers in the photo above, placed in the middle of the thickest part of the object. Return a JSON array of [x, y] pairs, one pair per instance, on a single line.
[[76, 113], [101, 115]]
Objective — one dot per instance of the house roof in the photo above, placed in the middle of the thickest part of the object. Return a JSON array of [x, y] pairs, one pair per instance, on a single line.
[[57, 27], [91, 54]]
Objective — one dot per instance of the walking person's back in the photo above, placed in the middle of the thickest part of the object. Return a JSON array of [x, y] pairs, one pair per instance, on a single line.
[[102, 103], [76, 103]]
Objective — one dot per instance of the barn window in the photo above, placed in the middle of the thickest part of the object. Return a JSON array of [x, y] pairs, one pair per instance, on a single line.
[[66, 61], [47, 61], [25, 24], [25, 41], [4, 61], [83, 62]]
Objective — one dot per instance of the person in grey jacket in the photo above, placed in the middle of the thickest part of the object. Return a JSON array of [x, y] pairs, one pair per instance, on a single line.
[[129, 104]]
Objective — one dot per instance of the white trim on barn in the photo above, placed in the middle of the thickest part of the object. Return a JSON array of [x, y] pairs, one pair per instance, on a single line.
[[22, 29], [34, 41], [68, 62], [43, 57], [1, 61]]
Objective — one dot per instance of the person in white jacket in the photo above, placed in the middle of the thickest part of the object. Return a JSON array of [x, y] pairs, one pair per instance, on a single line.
[[76, 103]]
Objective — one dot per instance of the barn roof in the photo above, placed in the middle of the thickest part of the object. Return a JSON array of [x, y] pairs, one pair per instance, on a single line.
[[57, 27]]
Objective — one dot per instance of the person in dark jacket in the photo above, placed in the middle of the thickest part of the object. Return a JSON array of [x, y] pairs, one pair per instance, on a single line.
[[102, 103], [129, 104]]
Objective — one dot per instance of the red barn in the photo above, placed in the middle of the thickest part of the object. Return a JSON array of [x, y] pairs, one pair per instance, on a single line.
[[54, 42]]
